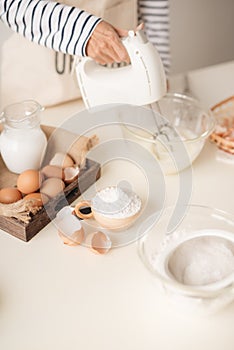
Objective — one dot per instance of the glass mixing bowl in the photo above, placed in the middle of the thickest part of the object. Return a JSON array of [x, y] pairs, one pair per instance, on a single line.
[[193, 125], [194, 264]]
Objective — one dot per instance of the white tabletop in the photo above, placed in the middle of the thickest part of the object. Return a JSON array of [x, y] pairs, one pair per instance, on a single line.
[[57, 297]]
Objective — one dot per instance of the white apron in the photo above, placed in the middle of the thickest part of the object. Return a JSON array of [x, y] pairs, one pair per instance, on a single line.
[[30, 71]]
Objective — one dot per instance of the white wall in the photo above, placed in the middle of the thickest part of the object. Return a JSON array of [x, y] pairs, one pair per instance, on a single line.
[[5, 32], [202, 33]]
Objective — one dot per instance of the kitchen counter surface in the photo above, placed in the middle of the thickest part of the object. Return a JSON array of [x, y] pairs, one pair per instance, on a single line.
[[57, 297]]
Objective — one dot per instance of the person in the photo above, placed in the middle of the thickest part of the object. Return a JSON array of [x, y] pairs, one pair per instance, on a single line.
[[65, 28], [74, 31], [90, 35], [156, 18]]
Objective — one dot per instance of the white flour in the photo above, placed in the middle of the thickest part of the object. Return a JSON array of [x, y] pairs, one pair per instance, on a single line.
[[199, 261], [116, 202]]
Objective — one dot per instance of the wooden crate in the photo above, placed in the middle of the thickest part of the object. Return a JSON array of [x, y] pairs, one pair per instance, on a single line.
[[89, 174]]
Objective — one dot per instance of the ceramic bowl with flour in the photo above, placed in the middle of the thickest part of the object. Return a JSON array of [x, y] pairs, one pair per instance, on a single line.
[[195, 263], [113, 208]]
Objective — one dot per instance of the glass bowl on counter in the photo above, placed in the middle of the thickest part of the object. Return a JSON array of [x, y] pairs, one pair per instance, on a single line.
[[194, 263], [192, 123]]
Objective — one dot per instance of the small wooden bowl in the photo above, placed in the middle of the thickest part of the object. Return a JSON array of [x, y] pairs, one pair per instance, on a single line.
[[105, 221]]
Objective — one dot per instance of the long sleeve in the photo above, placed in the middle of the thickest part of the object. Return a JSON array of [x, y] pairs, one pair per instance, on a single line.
[[49, 23], [155, 15]]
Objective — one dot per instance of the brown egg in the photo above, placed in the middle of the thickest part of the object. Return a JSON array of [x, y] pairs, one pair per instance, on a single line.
[[52, 186], [53, 171], [39, 199], [29, 181], [10, 195]]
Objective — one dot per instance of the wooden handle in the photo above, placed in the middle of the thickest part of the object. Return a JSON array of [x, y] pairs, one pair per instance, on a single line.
[[78, 212]]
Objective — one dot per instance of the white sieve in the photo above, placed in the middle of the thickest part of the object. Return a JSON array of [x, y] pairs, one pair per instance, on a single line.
[[161, 260]]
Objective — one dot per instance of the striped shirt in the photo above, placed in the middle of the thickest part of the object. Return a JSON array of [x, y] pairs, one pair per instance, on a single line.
[[155, 15], [49, 23], [67, 29]]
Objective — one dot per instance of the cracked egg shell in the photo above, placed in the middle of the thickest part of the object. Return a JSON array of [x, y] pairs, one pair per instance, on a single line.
[[73, 239], [98, 242], [69, 227], [71, 174]]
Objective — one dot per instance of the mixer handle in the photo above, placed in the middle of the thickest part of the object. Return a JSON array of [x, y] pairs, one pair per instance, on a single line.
[[134, 37]]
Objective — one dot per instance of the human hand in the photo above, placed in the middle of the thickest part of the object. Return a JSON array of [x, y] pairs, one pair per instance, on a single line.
[[105, 45]]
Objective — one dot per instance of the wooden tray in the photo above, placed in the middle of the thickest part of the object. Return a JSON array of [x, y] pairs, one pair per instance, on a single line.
[[89, 173]]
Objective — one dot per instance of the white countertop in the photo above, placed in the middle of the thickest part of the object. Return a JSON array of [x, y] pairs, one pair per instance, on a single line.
[[57, 297]]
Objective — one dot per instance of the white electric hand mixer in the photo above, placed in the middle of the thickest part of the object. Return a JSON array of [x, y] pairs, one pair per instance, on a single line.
[[143, 82]]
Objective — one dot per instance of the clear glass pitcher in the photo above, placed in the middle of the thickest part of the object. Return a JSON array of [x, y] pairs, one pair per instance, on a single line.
[[22, 141]]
